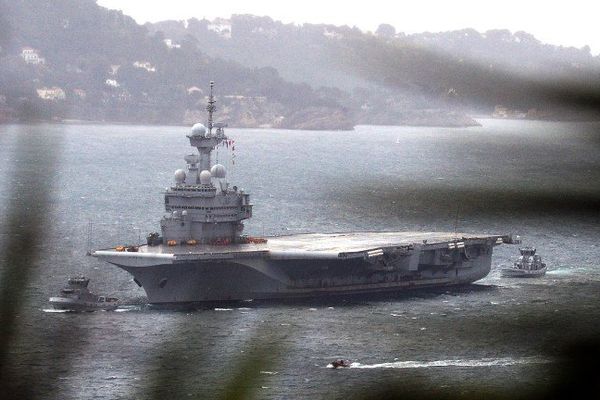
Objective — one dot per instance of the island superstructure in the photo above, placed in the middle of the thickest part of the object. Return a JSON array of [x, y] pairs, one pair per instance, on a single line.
[[202, 208], [201, 254]]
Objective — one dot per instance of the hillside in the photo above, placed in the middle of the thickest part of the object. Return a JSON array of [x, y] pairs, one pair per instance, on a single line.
[[68, 59], [72, 59], [462, 70]]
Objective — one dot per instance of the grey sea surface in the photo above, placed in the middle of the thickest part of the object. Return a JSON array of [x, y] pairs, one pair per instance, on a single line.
[[540, 180]]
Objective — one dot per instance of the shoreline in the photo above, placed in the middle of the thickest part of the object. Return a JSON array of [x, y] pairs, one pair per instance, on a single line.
[[121, 123], [475, 117]]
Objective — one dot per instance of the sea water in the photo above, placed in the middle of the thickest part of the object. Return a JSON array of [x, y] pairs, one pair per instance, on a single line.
[[536, 179]]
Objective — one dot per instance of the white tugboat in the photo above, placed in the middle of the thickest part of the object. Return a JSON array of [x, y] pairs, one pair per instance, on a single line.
[[529, 265], [77, 297], [200, 255]]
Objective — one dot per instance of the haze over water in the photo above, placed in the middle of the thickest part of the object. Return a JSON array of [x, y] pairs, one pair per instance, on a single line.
[[536, 179]]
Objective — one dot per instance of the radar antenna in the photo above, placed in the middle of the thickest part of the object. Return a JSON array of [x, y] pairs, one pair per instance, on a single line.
[[211, 107]]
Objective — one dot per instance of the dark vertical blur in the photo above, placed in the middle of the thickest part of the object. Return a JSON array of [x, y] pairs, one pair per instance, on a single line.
[[26, 224], [175, 367]]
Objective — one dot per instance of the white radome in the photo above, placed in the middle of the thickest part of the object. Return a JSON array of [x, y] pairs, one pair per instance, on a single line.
[[205, 177], [179, 176], [218, 171], [198, 130]]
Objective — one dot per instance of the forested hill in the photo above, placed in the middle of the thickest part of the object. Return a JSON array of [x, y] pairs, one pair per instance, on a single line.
[[72, 59], [98, 64], [477, 70]]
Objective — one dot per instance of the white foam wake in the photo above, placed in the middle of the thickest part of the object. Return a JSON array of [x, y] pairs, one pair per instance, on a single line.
[[481, 362], [125, 309]]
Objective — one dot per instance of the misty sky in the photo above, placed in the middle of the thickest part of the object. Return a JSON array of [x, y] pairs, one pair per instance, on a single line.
[[567, 23]]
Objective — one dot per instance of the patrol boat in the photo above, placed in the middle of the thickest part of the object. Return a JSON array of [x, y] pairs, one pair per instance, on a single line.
[[77, 297], [200, 255], [529, 265]]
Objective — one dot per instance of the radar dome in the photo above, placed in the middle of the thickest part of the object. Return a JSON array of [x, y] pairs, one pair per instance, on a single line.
[[218, 171], [198, 130], [205, 177], [179, 176]]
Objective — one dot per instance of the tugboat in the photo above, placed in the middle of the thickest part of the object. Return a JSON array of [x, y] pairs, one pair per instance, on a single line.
[[529, 265], [77, 297]]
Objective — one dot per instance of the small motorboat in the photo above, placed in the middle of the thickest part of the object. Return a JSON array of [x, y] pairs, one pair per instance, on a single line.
[[340, 363], [77, 297], [529, 265]]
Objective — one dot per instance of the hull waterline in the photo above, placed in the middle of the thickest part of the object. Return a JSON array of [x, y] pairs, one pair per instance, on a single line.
[[270, 273]]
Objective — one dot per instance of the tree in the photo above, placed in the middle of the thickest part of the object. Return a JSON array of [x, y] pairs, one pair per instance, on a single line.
[[386, 30]]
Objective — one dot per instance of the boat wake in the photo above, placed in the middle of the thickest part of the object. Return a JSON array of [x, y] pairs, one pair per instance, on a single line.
[[126, 308], [52, 310], [481, 362], [562, 271]]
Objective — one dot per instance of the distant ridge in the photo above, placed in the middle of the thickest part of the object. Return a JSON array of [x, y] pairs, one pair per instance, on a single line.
[[86, 62]]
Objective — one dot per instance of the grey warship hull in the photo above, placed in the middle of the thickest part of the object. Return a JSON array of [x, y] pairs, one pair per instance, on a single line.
[[202, 256], [306, 266]]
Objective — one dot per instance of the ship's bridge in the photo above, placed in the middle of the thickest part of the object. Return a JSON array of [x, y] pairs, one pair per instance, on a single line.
[[200, 206]]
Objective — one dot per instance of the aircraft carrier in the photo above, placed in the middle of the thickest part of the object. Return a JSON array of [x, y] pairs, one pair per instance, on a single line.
[[200, 255]]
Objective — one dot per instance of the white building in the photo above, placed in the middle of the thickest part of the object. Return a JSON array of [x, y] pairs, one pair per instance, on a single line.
[[144, 65], [331, 34], [194, 89], [31, 56], [111, 83], [221, 26], [268, 32], [171, 44], [53, 93]]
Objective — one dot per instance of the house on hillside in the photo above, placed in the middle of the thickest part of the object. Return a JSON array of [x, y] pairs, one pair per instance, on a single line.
[[112, 83], [331, 34], [221, 26], [144, 65], [171, 44], [194, 90], [505, 112], [52, 93], [238, 98], [31, 56], [270, 33]]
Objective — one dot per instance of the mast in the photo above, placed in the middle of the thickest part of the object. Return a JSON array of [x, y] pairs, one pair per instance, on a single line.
[[202, 137], [211, 108]]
